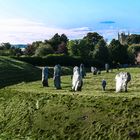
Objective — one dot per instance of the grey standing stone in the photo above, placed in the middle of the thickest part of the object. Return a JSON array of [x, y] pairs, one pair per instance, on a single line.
[[45, 72], [57, 76], [104, 83], [82, 71], [107, 67]]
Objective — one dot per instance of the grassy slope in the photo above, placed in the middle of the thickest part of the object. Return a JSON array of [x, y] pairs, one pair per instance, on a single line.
[[62, 114], [13, 71]]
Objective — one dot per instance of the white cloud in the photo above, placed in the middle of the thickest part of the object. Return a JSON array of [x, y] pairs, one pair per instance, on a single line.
[[26, 31]]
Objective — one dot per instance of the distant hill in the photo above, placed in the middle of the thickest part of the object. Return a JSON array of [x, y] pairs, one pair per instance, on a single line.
[[13, 71], [20, 45]]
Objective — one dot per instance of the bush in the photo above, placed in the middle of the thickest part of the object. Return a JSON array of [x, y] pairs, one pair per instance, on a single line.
[[63, 60], [132, 52], [36, 61], [44, 50]]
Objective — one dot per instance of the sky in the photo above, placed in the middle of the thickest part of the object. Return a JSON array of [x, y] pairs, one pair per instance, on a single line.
[[25, 21]]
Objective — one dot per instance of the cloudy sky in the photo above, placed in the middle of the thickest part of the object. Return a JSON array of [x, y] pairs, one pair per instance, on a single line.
[[25, 21]]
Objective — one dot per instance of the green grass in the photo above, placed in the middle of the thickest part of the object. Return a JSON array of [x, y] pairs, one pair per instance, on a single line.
[[87, 115], [92, 85], [13, 71]]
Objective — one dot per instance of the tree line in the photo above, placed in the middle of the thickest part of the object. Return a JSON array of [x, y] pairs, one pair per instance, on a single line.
[[91, 47]]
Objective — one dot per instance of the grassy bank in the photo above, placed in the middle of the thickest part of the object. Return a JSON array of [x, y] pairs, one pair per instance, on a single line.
[[29, 111], [13, 71]]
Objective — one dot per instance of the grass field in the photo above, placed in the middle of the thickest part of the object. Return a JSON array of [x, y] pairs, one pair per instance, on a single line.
[[13, 71], [30, 112]]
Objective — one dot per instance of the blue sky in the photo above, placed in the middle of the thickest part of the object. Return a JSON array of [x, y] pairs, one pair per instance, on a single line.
[[24, 21]]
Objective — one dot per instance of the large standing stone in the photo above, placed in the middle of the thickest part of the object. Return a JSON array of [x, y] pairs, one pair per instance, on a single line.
[[45, 76], [57, 76], [77, 81], [122, 80], [82, 71]]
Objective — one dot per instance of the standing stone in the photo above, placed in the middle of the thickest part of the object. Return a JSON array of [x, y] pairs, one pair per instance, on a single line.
[[122, 80], [98, 72], [82, 71], [45, 76], [94, 70], [104, 84], [57, 76], [77, 82], [107, 67]]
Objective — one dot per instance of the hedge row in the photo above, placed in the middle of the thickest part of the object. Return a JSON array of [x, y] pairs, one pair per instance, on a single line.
[[63, 60]]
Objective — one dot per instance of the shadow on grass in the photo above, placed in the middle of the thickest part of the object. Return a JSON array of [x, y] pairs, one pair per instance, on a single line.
[[29, 76], [111, 90]]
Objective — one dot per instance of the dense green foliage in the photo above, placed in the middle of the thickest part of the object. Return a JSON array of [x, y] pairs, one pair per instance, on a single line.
[[73, 47], [133, 51], [29, 111], [56, 45], [91, 47], [118, 52], [6, 49], [43, 50], [133, 39], [101, 52], [63, 60], [85, 47]]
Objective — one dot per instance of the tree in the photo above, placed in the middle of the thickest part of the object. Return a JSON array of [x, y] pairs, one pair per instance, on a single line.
[[44, 50], [62, 48], [101, 52], [133, 39], [5, 46], [30, 49], [59, 43], [63, 38], [83, 49], [118, 52], [92, 39], [73, 47], [15, 51], [133, 52], [55, 41]]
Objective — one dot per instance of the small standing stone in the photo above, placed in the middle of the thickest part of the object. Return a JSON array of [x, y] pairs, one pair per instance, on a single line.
[[107, 67], [104, 83]]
